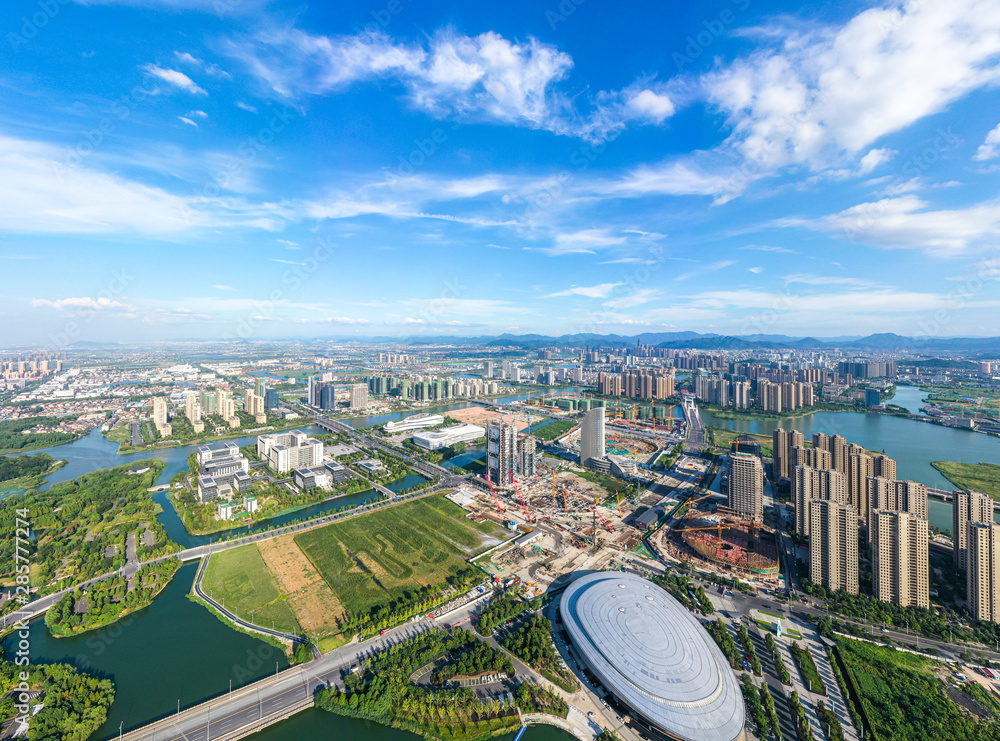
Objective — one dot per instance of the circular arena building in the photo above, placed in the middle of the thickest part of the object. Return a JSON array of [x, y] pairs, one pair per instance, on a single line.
[[654, 656]]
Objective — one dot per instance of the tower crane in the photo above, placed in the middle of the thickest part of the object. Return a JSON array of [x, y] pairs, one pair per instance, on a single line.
[[603, 521], [717, 527]]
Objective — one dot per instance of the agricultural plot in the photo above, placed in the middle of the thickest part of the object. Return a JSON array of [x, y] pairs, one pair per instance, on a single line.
[[384, 556]]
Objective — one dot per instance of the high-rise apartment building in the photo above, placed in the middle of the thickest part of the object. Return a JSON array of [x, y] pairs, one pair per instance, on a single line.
[[592, 435], [983, 578], [967, 507], [286, 451], [833, 545], [895, 496], [192, 410], [899, 558], [359, 396], [161, 409], [809, 484], [836, 445], [746, 485], [812, 457], [782, 443], [488, 369]]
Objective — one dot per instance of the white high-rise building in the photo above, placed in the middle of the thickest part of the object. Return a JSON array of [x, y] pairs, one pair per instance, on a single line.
[[359, 396], [983, 579], [899, 558], [833, 545], [746, 486], [592, 435]]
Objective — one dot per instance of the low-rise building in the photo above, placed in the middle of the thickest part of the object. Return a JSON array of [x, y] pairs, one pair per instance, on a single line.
[[448, 436], [371, 466], [414, 422]]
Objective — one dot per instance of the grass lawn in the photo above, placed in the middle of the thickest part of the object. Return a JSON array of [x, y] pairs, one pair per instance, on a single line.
[[240, 578], [904, 699], [378, 557], [982, 477], [555, 429]]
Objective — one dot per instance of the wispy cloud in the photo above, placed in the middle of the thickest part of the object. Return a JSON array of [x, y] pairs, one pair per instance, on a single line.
[[602, 290], [175, 78]]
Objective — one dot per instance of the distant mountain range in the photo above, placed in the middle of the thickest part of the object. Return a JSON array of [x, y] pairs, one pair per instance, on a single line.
[[883, 342]]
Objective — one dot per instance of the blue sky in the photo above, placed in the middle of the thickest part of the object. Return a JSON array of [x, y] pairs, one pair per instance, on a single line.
[[245, 168]]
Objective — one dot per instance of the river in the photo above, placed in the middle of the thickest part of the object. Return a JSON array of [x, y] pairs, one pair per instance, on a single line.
[[913, 444]]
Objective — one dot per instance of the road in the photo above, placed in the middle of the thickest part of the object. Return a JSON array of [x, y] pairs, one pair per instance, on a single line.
[[278, 696], [131, 560]]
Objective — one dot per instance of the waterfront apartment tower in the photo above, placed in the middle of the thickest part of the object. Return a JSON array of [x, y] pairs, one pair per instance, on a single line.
[[783, 442], [592, 435], [833, 545], [746, 486], [359, 396], [895, 496], [809, 484], [899, 558], [967, 507], [983, 579]]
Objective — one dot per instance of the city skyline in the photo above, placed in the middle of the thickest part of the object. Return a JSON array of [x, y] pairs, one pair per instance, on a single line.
[[255, 170]]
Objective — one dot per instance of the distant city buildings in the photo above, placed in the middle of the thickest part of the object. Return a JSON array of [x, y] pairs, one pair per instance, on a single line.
[[639, 383], [781, 450]]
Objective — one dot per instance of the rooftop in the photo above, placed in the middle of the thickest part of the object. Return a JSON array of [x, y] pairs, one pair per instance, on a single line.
[[654, 656]]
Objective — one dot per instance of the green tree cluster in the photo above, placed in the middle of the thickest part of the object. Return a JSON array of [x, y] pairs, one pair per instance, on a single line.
[[501, 609], [532, 643]]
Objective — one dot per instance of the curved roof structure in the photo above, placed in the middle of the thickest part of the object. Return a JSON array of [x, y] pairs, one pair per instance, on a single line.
[[655, 657]]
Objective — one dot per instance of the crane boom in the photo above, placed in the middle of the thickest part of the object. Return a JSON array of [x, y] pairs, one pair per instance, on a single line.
[[605, 522], [527, 514], [493, 493]]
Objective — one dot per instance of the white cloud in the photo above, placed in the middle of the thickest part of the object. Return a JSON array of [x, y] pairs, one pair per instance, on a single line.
[[197, 114], [288, 244], [873, 159], [756, 270], [183, 56], [990, 148], [45, 190], [826, 280], [188, 121], [245, 106], [471, 78], [445, 306], [651, 105], [636, 298], [83, 302], [672, 178], [585, 241], [906, 223], [829, 92], [222, 287], [602, 290], [286, 262], [767, 248], [175, 78]]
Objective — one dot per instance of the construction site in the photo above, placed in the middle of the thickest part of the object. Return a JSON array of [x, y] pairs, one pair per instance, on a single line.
[[560, 522], [659, 419]]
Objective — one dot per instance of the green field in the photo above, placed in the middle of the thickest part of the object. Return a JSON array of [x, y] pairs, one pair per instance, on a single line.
[[240, 578], [982, 477], [555, 429], [384, 556]]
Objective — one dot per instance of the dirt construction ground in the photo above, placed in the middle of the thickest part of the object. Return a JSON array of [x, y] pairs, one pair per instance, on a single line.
[[314, 604], [480, 416]]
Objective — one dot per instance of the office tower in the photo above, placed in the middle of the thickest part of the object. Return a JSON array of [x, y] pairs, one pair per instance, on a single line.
[[161, 409], [592, 435], [359, 396], [314, 391], [894, 496], [327, 397], [809, 484], [271, 399], [833, 545], [899, 558], [259, 386], [746, 486], [967, 507], [983, 578], [488, 369], [782, 443]]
